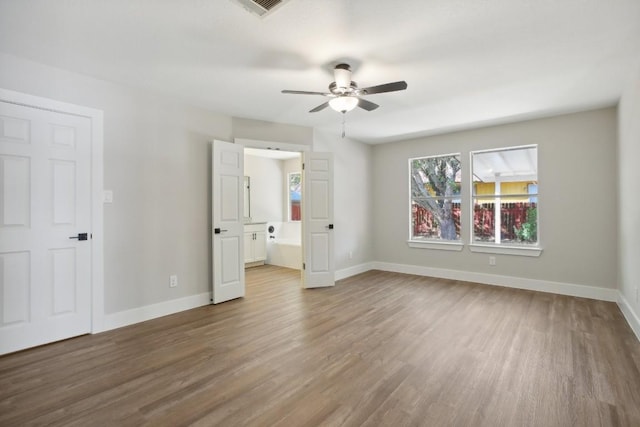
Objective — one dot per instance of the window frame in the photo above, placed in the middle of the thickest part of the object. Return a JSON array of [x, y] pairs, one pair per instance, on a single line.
[[432, 243], [510, 248]]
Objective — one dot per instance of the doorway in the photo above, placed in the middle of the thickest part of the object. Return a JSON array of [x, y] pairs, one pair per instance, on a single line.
[[273, 198], [227, 209]]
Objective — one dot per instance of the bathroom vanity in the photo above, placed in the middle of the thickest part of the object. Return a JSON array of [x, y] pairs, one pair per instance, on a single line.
[[255, 243]]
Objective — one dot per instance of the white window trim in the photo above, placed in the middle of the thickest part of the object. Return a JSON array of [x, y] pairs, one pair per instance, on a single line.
[[506, 250], [436, 244]]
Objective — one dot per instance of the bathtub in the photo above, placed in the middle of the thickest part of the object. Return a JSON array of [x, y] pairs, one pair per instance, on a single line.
[[285, 253]]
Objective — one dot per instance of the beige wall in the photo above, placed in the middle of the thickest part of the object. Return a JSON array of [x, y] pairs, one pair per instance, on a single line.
[[628, 179], [267, 188], [156, 162], [273, 132], [577, 222], [156, 154], [353, 190]]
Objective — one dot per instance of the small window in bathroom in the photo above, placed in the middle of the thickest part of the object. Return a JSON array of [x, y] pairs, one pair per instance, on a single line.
[[294, 196]]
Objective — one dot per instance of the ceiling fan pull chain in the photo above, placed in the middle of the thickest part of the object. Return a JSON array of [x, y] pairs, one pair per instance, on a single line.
[[343, 122]]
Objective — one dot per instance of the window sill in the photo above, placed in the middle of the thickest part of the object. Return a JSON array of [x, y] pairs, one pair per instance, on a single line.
[[506, 250], [434, 244]]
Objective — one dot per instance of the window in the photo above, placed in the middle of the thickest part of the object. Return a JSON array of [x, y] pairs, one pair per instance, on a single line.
[[294, 180], [505, 196], [435, 198]]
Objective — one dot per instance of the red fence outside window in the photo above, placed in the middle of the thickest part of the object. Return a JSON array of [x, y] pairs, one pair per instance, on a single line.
[[512, 216]]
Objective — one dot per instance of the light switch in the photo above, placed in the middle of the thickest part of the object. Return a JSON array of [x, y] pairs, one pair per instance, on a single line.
[[107, 196]]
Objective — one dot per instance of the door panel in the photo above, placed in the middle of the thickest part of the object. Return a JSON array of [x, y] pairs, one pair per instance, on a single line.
[[229, 198], [14, 129], [230, 250], [14, 286], [16, 203], [320, 200], [46, 199], [227, 177], [63, 264], [319, 252], [63, 181], [317, 211]]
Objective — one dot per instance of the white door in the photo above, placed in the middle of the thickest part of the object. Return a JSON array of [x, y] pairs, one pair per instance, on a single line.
[[317, 220], [45, 205], [227, 209]]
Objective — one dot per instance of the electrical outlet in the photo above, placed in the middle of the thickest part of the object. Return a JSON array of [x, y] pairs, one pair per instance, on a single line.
[[173, 281], [492, 260]]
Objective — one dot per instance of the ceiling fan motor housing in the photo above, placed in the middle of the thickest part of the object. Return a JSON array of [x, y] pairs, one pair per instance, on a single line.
[[342, 74], [338, 90]]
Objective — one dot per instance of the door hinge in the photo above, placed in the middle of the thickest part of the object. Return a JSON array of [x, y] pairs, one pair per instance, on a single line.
[[303, 166], [304, 266]]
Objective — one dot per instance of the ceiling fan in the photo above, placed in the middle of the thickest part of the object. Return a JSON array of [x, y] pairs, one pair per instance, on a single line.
[[346, 95]]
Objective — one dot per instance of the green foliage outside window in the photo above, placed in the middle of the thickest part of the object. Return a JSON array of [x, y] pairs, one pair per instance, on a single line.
[[528, 232]]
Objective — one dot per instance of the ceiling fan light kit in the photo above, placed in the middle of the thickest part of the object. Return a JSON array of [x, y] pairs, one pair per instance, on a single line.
[[343, 104]]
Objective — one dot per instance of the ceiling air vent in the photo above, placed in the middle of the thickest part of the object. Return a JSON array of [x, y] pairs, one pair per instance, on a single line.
[[260, 7]]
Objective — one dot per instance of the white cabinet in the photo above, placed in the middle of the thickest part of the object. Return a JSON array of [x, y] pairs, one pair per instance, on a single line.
[[255, 243]]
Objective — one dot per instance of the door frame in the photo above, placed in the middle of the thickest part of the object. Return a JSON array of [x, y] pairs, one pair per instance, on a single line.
[[97, 188], [272, 145], [281, 146]]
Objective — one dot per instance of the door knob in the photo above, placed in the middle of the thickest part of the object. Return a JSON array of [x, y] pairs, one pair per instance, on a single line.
[[80, 236]]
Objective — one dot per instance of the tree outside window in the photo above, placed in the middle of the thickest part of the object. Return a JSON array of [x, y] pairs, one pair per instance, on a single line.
[[435, 197]]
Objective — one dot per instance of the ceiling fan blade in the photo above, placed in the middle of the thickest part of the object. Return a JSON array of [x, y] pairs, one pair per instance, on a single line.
[[367, 105], [387, 87], [304, 92], [319, 107]]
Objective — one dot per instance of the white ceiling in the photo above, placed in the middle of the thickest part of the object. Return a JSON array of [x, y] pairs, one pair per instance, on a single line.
[[467, 62]]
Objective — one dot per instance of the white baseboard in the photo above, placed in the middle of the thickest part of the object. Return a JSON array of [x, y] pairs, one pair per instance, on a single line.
[[141, 314], [148, 312], [632, 317], [352, 271], [570, 289]]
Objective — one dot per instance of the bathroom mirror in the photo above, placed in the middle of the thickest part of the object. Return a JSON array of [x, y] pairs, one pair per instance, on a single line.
[[247, 199]]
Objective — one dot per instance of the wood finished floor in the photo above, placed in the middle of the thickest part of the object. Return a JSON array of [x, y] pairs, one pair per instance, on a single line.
[[378, 349]]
